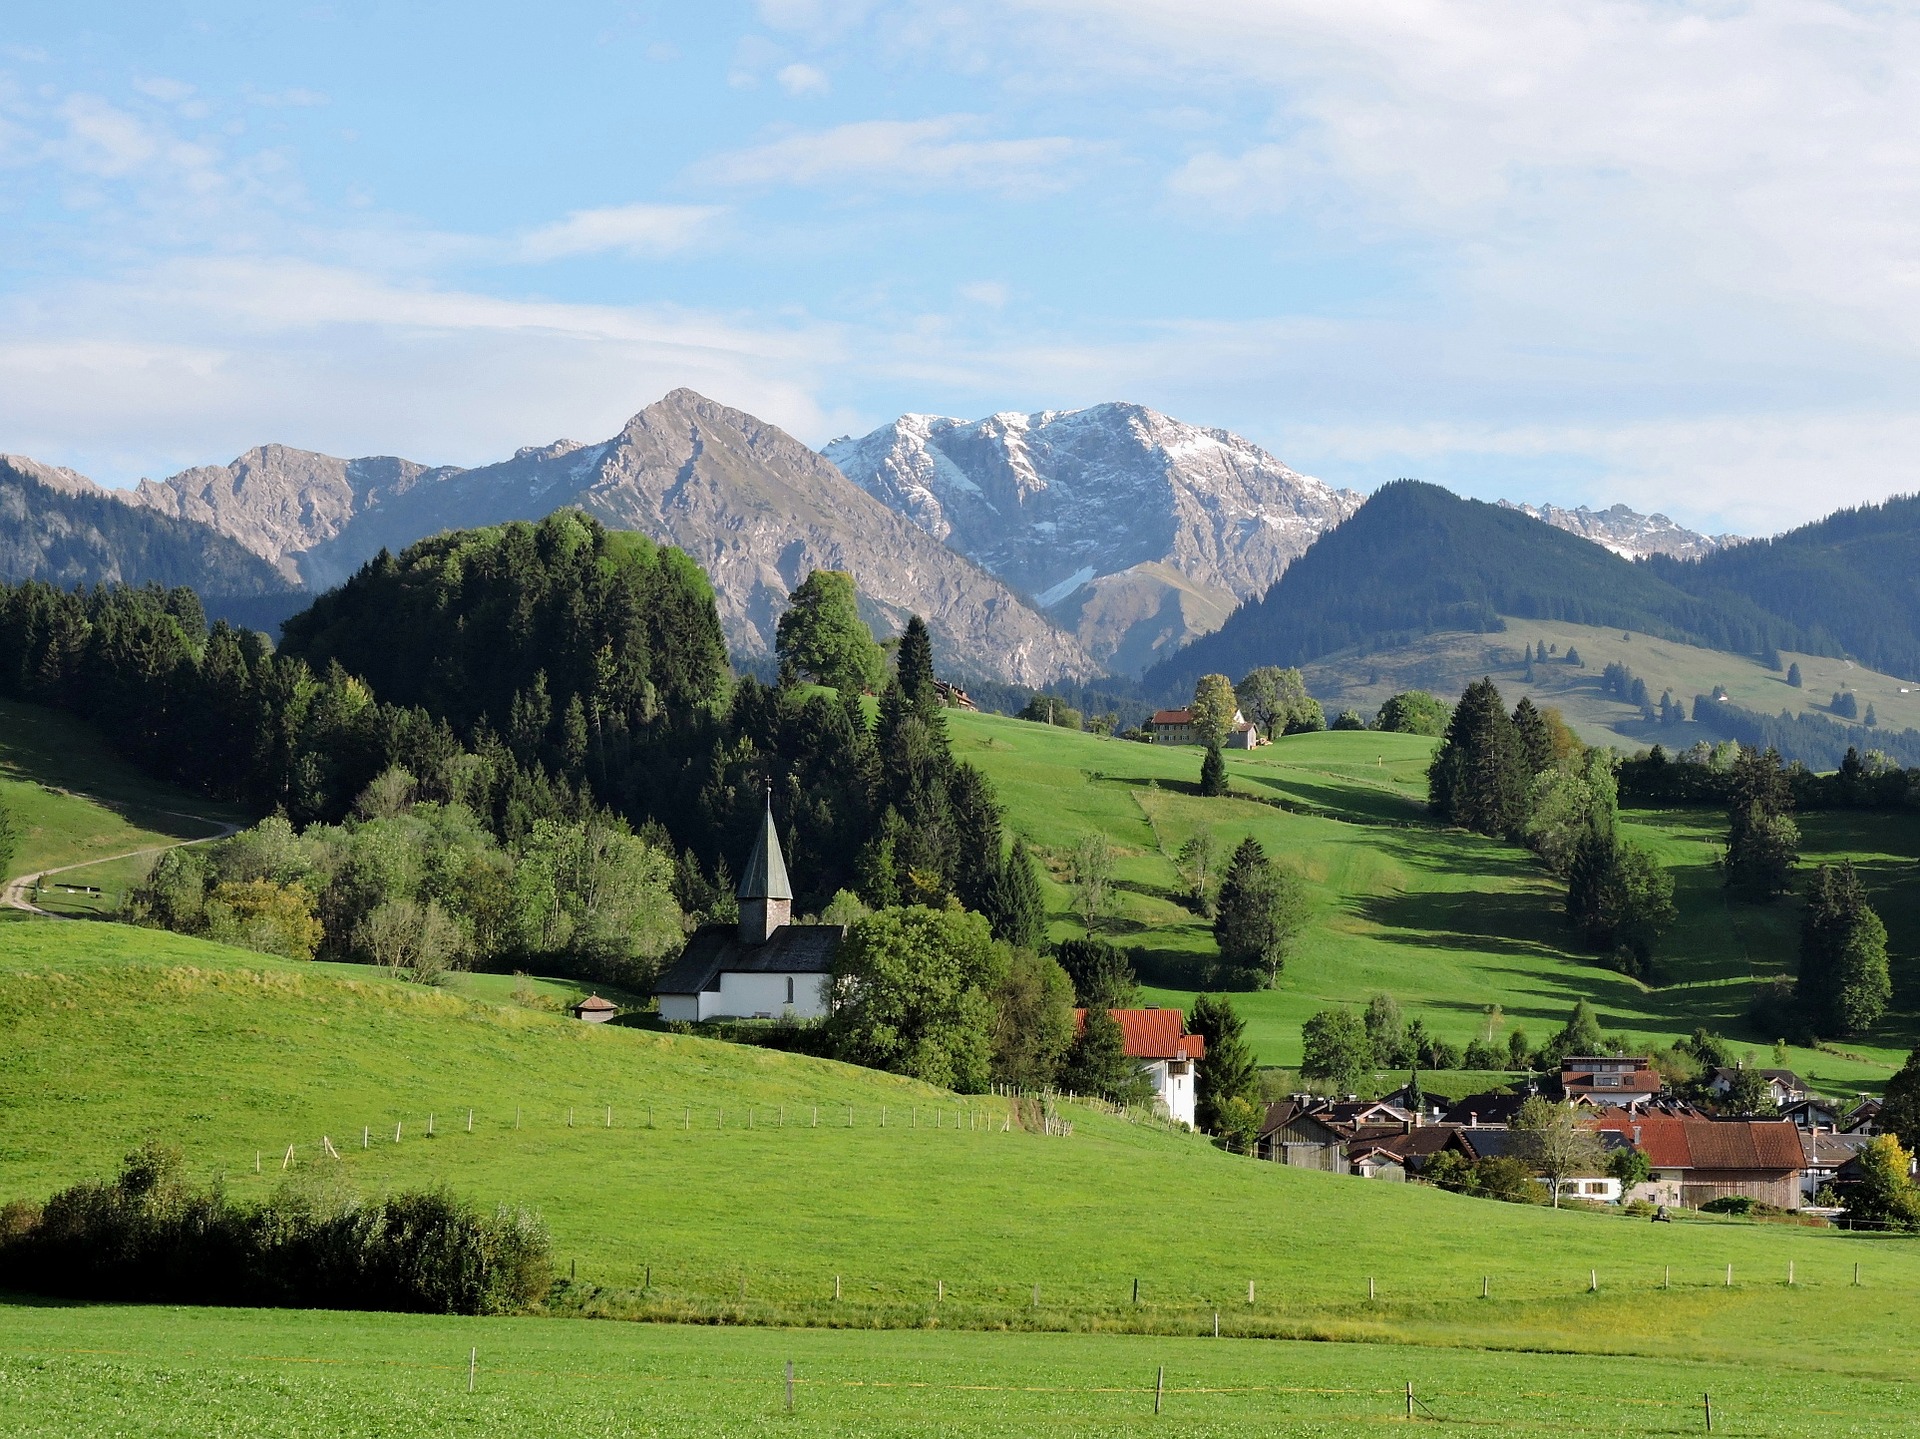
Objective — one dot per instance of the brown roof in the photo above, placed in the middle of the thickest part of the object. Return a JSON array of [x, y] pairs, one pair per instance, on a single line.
[[1416, 1143], [1639, 1081], [594, 1004], [1152, 1033], [1712, 1143], [1173, 716]]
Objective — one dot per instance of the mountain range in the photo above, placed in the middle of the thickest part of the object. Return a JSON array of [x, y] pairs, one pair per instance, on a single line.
[[1133, 530], [1039, 547]]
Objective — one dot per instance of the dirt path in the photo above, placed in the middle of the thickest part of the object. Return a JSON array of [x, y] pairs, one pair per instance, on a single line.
[[14, 895]]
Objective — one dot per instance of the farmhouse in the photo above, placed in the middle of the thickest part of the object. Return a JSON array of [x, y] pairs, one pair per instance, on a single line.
[[1783, 1085], [1697, 1160], [1295, 1132], [1157, 1040], [1176, 727], [766, 966]]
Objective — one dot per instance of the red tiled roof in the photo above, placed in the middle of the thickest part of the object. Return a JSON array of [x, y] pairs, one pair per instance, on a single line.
[[1173, 716], [1152, 1033], [1713, 1144], [596, 1005]]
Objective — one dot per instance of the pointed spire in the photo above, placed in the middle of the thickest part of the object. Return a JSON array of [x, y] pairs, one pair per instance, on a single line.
[[765, 876]]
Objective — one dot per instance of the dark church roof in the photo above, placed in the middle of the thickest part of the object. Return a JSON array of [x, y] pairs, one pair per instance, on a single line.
[[717, 949], [765, 876]]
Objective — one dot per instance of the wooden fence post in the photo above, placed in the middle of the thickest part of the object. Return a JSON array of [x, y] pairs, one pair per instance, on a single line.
[[473, 1364], [1159, 1387], [1706, 1401], [789, 1386], [469, 1120]]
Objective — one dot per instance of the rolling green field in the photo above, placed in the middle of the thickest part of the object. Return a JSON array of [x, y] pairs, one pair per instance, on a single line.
[[237, 1374], [1447, 663], [74, 801], [714, 1194], [1448, 922]]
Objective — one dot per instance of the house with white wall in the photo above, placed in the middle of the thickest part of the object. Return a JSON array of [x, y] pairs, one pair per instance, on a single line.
[[765, 967], [1157, 1041]]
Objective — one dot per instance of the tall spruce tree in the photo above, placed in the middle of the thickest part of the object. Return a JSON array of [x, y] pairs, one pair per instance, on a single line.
[[1762, 841], [1479, 778], [914, 664], [1213, 773], [1844, 985], [1227, 1072], [1536, 739], [1102, 975], [1016, 907], [1258, 915]]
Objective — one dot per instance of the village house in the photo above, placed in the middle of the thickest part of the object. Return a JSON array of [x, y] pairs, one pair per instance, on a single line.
[[1395, 1156], [1696, 1161], [1293, 1133], [1813, 1115], [1831, 1158], [1158, 1042], [1176, 727], [1607, 1080], [1782, 1084], [765, 967], [1863, 1118], [1474, 1143]]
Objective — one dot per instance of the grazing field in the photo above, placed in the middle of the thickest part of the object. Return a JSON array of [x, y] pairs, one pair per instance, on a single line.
[[74, 801], [714, 1195], [1447, 663], [1448, 922], [68, 1373]]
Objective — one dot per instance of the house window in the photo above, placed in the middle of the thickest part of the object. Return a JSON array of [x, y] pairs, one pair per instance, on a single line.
[[789, 989]]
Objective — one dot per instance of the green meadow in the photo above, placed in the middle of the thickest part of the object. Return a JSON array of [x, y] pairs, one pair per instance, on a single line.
[[691, 1179], [1448, 922], [237, 1374]]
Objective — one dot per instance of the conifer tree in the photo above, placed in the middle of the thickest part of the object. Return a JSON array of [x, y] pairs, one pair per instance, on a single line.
[[1016, 907], [914, 665], [1479, 779], [1102, 975], [1227, 1072], [1213, 773], [1097, 1063], [1844, 985], [1536, 740], [1762, 842], [1793, 675]]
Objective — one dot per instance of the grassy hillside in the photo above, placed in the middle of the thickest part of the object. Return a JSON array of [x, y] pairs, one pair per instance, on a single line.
[[1447, 663], [74, 800], [239, 1374], [1448, 922], [114, 1035]]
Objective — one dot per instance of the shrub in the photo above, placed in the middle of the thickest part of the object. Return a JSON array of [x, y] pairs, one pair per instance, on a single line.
[[149, 1236], [1729, 1204]]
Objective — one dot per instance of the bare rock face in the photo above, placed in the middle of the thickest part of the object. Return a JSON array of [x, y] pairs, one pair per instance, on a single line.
[[281, 502], [1628, 533], [59, 526], [753, 506], [1139, 531]]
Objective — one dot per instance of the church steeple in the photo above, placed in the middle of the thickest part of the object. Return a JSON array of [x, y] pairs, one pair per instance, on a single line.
[[765, 893]]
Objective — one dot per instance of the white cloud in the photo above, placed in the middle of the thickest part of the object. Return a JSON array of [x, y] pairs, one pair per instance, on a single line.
[[915, 153], [637, 230], [990, 293], [158, 87], [801, 79], [195, 361]]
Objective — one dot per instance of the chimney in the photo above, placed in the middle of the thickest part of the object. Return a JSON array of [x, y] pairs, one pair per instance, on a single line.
[[1636, 1136], [765, 893], [1473, 1118]]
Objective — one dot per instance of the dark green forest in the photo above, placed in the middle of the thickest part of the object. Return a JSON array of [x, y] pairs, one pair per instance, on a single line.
[[1851, 580]]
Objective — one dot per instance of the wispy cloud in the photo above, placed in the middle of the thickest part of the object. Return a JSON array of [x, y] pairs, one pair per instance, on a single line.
[[910, 153], [800, 79], [637, 230]]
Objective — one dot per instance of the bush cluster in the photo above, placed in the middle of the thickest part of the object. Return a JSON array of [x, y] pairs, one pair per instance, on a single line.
[[150, 1236]]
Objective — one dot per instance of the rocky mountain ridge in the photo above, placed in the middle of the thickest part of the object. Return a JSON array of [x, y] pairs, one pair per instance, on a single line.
[[1135, 530], [1628, 533]]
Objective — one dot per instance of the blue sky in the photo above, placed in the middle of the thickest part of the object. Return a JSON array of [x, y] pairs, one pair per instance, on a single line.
[[1602, 251]]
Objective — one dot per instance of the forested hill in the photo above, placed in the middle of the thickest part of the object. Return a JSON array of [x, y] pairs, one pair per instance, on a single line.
[[1852, 578], [1417, 559]]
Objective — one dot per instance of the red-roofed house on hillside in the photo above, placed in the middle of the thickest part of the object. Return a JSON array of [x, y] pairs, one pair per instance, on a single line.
[[1176, 727], [1157, 1040], [1697, 1160]]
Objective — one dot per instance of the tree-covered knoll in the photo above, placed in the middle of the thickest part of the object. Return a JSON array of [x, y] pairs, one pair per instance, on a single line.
[[542, 632], [1416, 559]]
